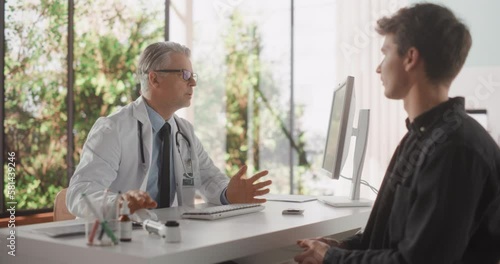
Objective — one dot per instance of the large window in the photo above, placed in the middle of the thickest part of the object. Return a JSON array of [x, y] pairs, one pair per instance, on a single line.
[[248, 109], [108, 38], [242, 103], [267, 72], [35, 99]]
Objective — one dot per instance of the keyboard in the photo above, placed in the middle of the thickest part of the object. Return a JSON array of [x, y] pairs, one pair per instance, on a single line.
[[62, 231], [222, 211], [67, 230]]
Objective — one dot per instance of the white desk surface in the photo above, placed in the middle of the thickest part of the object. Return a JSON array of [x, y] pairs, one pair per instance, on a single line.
[[202, 241]]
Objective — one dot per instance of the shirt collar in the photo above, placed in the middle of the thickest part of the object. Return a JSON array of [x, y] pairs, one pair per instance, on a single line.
[[157, 120], [424, 121]]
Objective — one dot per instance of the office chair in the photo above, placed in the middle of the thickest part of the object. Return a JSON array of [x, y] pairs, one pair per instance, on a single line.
[[60, 210]]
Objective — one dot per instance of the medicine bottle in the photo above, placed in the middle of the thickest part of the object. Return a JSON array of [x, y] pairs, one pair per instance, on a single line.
[[125, 223], [173, 232]]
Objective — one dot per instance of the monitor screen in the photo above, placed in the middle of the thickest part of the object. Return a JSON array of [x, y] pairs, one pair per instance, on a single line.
[[339, 129]]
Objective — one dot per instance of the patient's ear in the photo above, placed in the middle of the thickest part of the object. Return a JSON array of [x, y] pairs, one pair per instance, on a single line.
[[411, 59]]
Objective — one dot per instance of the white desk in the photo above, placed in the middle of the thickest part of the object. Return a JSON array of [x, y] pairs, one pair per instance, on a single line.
[[202, 241]]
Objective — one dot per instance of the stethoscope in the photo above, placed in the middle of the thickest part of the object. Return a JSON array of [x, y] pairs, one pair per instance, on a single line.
[[141, 145]]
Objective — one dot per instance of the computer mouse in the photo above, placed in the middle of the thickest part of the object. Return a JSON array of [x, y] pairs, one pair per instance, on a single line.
[[143, 214]]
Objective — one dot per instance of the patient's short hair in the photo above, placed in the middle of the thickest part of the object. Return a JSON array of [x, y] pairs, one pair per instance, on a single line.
[[442, 40]]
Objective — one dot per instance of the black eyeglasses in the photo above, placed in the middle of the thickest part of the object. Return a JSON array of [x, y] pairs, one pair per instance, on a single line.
[[186, 75]]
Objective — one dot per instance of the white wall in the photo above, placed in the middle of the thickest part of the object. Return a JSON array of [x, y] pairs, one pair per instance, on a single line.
[[479, 80]]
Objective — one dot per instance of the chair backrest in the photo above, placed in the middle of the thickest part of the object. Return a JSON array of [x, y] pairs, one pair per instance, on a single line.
[[60, 210]]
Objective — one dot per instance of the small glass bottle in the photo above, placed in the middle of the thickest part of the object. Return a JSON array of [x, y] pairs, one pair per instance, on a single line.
[[125, 223]]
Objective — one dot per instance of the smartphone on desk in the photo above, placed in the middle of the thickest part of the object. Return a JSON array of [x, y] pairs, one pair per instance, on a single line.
[[292, 211]]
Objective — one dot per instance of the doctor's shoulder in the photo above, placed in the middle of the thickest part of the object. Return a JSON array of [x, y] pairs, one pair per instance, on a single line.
[[106, 124], [103, 125], [101, 132], [184, 123], [122, 113]]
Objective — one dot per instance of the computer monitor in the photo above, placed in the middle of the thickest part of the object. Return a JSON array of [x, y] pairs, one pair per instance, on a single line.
[[480, 115], [340, 130]]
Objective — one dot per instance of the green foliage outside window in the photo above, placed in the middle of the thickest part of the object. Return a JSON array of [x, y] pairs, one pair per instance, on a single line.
[[108, 40], [246, 102], [242, 79], [35, 94]]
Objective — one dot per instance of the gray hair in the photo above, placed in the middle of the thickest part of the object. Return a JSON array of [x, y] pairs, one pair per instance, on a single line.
[[154, 57]]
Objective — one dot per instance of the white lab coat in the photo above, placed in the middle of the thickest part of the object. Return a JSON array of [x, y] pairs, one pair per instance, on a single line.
[[111, 158]]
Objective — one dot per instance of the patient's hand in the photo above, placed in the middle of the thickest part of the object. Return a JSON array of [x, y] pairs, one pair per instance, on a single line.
[[329, 241], [314, 251]]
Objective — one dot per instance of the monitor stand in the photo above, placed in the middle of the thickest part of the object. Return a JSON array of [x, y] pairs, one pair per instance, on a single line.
[[343, 201], [361, 134]]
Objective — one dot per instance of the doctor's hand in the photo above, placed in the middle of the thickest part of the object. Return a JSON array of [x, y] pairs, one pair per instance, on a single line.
[[314, 251], [242, 190], [138, 199]]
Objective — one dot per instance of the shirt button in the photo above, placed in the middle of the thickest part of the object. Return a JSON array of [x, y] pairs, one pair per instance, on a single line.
[[422, 129]]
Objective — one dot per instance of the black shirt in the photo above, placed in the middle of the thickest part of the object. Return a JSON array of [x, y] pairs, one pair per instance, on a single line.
[[440, 198]]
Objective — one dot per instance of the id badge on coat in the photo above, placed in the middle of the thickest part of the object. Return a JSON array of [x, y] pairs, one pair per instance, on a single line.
[[187, 176]]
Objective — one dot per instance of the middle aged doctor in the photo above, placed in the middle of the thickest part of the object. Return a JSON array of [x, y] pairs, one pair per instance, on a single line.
[[151, 155]]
